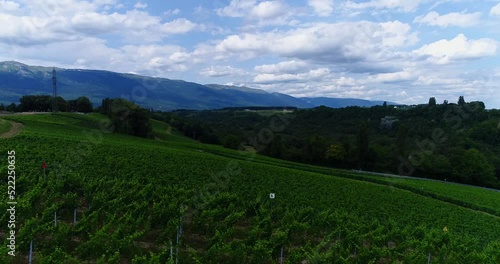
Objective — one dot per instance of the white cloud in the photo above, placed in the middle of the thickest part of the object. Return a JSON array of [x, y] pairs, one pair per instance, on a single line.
[[132, 22], [495, 11], [221, 71], [178, 26], [179, 57], [48, 21], [24, 30], [292, 66], [92, 53], [399, 5], [287, 77], [345, 43], [268, 10], [8, 5], [258, 14], [172, 12], [460, 48], [321, 7], [140, 5], [95, 23], [451, 19], [393, 77], [237, 8], [156, 58]]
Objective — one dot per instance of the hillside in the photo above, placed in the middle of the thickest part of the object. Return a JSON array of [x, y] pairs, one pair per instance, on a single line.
[[18, 79], [152, 201], [459, 143]]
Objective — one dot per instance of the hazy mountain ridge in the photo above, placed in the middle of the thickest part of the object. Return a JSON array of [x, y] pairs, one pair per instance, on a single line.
[[18, 79]]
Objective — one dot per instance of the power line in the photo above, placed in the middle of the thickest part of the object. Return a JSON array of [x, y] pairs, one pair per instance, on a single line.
[[54, 91]]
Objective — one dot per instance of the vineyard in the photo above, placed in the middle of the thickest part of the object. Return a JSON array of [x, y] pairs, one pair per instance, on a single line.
[[110, 198]]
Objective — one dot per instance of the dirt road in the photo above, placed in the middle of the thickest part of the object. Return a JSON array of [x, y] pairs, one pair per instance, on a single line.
[[14, 130]]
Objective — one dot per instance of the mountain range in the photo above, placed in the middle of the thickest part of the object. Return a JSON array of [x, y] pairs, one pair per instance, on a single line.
[[17, 79]]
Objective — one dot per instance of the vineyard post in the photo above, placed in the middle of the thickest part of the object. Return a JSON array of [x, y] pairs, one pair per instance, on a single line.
[[31, 252], [55, 218], [429, 259], [171, 251], [177, 247], [74, 217], [179, 229], [271, 196], [281, 256]]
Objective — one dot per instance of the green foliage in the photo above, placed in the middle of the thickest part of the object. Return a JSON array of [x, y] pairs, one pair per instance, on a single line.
[[335, 152], [362, 143], [81, 104], [127, 117], [422, 140], [461, 100], [132, 194], [232, 142], [12, 108], [473, 167], [432, 101], [5, 126]]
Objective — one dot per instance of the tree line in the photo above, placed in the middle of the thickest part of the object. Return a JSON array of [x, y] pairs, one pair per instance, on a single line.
[[45, 103], [125, 117], [457, 142]]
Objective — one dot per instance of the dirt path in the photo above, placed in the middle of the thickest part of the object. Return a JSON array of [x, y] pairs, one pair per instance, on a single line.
[[14, 130]]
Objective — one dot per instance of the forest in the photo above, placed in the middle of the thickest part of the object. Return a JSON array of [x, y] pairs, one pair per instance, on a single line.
[[457, 142]]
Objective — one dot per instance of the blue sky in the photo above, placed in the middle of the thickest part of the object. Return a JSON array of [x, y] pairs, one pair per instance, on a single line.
[[394, 50]]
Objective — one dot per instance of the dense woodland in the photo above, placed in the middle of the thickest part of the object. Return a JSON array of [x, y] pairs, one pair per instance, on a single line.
[[45, 103], [457, 142]]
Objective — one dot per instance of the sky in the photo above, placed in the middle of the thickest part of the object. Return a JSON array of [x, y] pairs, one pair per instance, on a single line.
[[403, 51]]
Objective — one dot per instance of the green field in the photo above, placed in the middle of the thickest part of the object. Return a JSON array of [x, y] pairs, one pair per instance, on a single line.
[[4, 126], [132, 195]]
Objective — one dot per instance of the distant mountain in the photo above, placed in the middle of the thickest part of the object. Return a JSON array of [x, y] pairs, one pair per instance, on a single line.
[[17, 79]]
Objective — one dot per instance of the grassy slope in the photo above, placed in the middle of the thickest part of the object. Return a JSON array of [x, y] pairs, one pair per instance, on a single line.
[[5, 126], [478, 198], [179, 168]]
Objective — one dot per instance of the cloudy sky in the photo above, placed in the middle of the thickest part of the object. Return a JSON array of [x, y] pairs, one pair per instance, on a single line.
[[396, 50]]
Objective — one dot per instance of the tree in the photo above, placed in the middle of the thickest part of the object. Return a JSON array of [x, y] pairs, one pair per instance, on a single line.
[[127, 117], [231, 141], [62, 105], [461, 100], [314, 149], [11, 108], [336, 153], [432, 101], [401, 140], [385, 104], [363, 145], [35, 103], [474, 168], [81, 104], [2, 107], [445, 102]]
